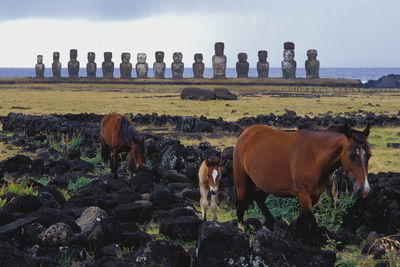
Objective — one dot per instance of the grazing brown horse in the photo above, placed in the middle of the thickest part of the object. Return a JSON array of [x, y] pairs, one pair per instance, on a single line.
[[118, 135], [297, 164], [209, 177]]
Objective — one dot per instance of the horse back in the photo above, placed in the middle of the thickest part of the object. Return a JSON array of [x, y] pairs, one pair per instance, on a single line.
[[264, 153], [116, 130]]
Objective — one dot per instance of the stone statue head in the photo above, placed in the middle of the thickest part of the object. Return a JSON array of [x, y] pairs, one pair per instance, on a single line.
[[56, 56], [159, 56], [39, 59], [312, 54], [91, 56], [262, 55], [288, 55], [288, 45], [198, 58], [126, 57], [141, 58], [219, 48], [107, 56], [177, 56], [73, 54], [242, 57]]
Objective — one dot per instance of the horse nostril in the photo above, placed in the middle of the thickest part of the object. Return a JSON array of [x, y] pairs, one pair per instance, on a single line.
[[213, 192]]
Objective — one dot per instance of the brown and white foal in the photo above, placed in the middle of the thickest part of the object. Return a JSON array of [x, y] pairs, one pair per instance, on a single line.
[[209, 177]]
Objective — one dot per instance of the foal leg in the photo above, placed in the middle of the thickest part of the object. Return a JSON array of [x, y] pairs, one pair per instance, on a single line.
[[260, 197], [214, 201], [203, 203]]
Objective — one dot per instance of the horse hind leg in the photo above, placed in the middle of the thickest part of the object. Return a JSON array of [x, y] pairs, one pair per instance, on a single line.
[[260, 197], [244, 188], [114, 163], [105, 151]]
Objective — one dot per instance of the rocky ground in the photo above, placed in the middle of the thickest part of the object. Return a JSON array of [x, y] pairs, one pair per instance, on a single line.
[[93, 224]]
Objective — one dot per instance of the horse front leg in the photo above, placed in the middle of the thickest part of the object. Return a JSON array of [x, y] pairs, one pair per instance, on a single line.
[[131, 165], [203, 203], [214, 202], [260, 197], [307, 230], [114, 163]]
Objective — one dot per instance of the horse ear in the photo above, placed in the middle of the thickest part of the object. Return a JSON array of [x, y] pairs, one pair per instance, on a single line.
[[366, 130], [347, 131]]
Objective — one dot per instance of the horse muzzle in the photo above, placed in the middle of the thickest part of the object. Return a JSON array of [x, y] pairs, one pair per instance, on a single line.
[[363, 190]]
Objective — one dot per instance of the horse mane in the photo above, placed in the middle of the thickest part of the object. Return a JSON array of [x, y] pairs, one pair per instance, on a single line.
[[358, 136], [126, 131]]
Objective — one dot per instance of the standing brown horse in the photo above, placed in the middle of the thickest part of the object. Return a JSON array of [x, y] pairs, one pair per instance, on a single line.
[[297, 164], [118, 135]]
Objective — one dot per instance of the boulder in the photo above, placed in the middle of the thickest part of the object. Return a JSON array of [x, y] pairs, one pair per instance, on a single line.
[[24, 203], [17, 164], [89, 218], [138, 211], [223, 93], [12, 257], [32, 232], [135, 239], [222, 245], [16, 228], [270, 250], [193, 124], [162, 253], [165, 200], [58, 234], [182, 227], [194, 93]]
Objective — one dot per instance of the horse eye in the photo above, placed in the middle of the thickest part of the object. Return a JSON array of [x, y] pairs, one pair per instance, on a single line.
[[352, 156]]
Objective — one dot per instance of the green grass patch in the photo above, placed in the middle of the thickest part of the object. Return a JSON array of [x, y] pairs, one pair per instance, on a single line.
[[80, 182]]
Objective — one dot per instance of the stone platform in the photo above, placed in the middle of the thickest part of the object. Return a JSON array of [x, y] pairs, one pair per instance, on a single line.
[[321, 82]]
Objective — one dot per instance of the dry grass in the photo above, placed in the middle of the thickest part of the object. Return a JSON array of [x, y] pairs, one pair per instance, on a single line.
[[105, 98]]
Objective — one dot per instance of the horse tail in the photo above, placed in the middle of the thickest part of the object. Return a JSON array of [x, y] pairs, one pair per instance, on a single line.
[[126, 131], [105, 151]]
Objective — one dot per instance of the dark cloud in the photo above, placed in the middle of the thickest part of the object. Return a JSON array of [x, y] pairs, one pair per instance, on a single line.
[[103, 9]]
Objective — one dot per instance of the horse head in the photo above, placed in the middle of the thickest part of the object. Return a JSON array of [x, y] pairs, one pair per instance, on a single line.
[[138, 150], [355, 157], [213, 165]]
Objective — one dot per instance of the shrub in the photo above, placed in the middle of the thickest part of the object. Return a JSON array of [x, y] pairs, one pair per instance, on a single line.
[[329, 214]]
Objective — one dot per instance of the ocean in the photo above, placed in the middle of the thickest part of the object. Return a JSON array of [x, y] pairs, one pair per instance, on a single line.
[[362, 74]]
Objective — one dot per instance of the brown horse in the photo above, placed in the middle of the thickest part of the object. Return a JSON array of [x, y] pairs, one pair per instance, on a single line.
[[118, 135], [209, 177], [297, 164]]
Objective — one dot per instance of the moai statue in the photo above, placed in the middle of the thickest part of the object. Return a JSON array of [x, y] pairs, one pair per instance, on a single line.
[[312, 64], [142, 67], [262, 64], [108, 66], [159, 66], [56, 66], [73, 64], [39, 67], [125, 67], [198, 66], [242, 66], [219, 61], [91, 66], [177, 66], [288, 63]]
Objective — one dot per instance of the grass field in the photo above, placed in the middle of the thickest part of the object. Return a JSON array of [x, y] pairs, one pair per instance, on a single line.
[[39, 99]]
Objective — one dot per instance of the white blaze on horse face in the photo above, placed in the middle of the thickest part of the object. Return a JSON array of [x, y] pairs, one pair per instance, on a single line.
[[365, 187], [214, 174]]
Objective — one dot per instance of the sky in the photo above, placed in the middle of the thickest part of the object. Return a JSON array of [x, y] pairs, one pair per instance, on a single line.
[[346, 33]]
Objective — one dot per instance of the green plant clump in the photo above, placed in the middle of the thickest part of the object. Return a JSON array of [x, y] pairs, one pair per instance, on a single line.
[[330, 215], [80, 182]]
